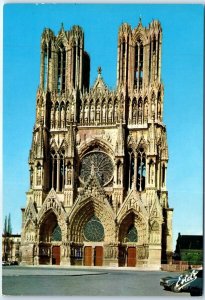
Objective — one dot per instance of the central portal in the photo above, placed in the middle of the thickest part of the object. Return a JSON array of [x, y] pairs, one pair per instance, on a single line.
[[93, 256]]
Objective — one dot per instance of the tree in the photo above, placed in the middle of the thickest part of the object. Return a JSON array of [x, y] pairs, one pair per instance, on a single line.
[[5, 226], [9, 228], [6, 237]]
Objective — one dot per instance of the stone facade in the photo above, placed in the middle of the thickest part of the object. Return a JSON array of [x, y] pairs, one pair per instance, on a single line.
[[10, 247], [98, 159]]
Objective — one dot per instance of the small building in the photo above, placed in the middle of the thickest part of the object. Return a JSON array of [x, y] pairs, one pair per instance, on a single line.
[[189, 248], [10, 247]]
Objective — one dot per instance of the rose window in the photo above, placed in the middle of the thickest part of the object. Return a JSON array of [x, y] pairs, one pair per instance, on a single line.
[[93, 230], [100, 164]]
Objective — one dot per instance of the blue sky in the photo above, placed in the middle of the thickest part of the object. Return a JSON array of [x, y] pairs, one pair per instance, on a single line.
[[182, 75]]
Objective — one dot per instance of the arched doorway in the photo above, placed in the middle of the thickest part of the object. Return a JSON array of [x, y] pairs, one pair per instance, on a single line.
[[92, 226], [50, 240], [93, 232], [128, 237]]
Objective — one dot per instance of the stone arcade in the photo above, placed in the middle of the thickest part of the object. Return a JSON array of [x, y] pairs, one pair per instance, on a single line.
[[98, 158]]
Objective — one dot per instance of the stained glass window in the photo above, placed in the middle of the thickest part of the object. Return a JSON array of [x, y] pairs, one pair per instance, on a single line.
[[100, 163], [93, 230], [132, 234], [56, 234]]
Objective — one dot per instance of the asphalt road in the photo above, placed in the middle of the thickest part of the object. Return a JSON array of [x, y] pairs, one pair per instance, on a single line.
[[44, 281]]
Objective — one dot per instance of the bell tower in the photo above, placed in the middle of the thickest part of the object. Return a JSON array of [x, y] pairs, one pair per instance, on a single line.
[[64, 63], [139, 83], [139, 55]]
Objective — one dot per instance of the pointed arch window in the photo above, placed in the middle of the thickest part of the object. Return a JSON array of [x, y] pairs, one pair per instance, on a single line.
[[53, 170], [139, 53], [57, 170], [119, 172], [123, 48], [62, 171], [49, 50], [132, 235], [123, 59], [45, 67], [78, 52], [131, 168], [141, 170], [31, 177], [76, 60], [74, 65], [61, 69], [150, 60], [158, 53], [154, 45], [56, 234]]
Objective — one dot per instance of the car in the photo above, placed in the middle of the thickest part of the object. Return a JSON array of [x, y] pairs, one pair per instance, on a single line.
[[5, 263], [168, 282], [189, 280], [14, 263], [184, 282]]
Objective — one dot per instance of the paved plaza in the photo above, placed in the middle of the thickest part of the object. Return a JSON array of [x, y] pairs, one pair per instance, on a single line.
[[61, 281]]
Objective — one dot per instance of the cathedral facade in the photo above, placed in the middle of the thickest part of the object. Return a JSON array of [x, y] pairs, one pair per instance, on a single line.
[[98, 159]]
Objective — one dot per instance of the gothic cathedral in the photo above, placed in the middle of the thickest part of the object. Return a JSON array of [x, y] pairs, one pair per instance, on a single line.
[[98, 159]]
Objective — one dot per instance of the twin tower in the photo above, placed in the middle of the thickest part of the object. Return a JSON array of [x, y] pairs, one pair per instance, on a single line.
[[98, 159]]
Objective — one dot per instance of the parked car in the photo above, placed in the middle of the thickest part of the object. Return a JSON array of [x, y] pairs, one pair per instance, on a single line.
[[168, 282], [183, 282], [14, 263], [5, 263]]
